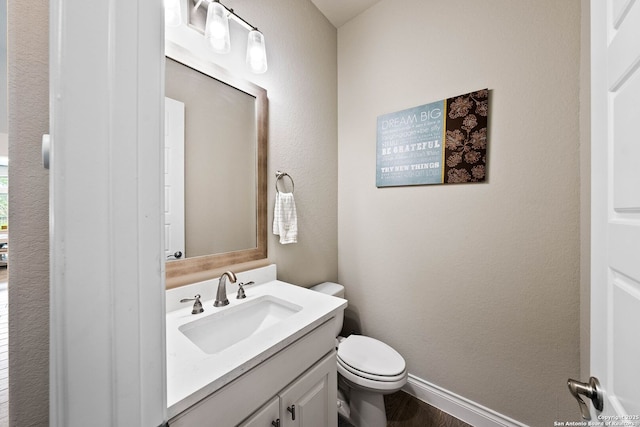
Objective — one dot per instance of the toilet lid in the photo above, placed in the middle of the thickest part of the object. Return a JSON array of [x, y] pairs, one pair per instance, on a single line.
[[369, 355]]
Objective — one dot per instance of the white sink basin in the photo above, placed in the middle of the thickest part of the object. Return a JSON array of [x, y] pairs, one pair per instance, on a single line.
[[220, 331], [206, 352]]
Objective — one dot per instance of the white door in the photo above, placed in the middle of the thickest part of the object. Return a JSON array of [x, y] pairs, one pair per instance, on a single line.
[[615, 187], [174, 179]]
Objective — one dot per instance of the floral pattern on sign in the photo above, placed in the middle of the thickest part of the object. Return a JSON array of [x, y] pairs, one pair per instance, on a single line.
[[465, 144]]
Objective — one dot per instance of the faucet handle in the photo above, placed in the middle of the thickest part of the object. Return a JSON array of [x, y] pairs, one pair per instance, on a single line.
[[197, 305], [241, 293]]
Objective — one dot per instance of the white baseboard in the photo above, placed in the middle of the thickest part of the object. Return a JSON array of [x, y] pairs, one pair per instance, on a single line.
[[457, 406]]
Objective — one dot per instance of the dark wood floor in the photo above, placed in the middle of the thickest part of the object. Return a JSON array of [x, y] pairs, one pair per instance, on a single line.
[[404, 410]]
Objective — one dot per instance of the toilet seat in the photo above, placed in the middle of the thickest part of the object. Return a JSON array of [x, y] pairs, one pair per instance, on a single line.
[[370, 363], [370, 376]]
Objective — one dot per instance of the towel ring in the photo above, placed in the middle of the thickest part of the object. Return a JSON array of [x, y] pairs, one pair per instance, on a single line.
[[279, 176]]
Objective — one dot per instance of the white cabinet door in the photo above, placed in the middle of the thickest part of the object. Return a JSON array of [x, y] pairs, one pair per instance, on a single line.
[[267, 416], [311, 401]]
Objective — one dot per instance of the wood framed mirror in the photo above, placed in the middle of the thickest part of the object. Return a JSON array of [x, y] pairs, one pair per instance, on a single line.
[[223, 121]]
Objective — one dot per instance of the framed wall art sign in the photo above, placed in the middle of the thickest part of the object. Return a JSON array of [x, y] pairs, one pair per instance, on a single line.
[[442, 142]]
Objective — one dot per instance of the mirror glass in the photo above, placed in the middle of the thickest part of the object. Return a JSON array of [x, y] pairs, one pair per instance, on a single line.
[[215, 166]]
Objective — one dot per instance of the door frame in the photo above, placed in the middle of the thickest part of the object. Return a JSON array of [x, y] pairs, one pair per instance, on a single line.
[[174, 220], [107, 307]]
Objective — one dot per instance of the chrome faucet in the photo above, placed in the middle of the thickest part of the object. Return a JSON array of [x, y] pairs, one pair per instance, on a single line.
[[221, 295]]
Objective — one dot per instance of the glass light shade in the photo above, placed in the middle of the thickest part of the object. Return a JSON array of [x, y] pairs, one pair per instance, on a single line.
[[172, 13], [256, 52], [216, 30]]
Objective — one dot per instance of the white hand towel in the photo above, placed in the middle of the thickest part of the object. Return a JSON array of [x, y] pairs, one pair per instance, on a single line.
[[285, 218]]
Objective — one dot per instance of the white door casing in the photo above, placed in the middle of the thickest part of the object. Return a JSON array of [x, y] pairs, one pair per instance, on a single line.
[[107, 308], [174, 178], [615, 213]]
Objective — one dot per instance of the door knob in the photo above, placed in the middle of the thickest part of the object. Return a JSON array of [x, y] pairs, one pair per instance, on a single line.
[[591, 390]]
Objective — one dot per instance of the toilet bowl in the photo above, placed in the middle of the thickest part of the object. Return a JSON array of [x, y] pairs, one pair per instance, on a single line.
[[368, 368]]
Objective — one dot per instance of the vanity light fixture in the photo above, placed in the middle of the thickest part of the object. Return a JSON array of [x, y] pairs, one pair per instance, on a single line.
[[216, 31], [217, 34], [256, 52]]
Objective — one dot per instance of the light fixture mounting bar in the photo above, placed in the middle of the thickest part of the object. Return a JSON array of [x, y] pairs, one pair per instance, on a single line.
[[240, 20]]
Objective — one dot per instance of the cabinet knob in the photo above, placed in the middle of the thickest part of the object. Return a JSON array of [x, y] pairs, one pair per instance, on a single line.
[[292, 409]]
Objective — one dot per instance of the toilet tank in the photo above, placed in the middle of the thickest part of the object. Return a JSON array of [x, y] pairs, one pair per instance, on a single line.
[[335, 290]]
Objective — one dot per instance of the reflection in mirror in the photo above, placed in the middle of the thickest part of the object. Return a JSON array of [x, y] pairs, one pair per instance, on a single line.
[[219, 162], [215, 166]]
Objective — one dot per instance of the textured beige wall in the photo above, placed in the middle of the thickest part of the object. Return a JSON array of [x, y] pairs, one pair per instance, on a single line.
[[476, 285], [28, 70], [303, 139], [301, 86]]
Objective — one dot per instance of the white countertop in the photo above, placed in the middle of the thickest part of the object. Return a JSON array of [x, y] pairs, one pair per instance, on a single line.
[[192, 374]]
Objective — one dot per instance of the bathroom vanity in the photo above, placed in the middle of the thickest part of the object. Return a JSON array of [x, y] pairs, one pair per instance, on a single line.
[[266, 360]]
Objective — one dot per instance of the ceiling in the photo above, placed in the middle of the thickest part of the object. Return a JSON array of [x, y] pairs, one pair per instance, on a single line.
[[340, 11]]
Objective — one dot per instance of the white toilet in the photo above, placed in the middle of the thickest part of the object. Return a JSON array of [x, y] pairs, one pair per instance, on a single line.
[[368, 368]]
